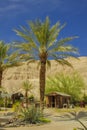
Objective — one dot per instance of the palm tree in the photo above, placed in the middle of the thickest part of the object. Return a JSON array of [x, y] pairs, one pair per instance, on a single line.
[[7, 58], [27, 87], [41, 44]]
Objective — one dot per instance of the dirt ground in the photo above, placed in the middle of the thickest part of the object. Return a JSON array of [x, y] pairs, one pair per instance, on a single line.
[[68, 125], [64, 121]]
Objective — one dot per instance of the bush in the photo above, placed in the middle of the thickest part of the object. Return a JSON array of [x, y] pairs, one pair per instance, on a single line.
[[44, 120], [17, 106], [1, 102], [32, 114]]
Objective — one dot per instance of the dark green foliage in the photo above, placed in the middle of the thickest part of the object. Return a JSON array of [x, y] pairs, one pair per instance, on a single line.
[[1, 102], [85, 98]]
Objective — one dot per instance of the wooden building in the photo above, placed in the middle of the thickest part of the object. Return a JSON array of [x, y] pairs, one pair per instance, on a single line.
[[57, 99]]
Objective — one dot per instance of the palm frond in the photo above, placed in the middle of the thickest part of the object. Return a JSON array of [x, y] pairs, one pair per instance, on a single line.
[[27, 36], [31, 61], [48, 64], [27, 86], [66, 48], [53, 34], [41, 38], [62, 61], [4, 48], [41, 31], [61, 44], [36, 30], [25, 57], [65, 40], [19, 33], [13, 56]]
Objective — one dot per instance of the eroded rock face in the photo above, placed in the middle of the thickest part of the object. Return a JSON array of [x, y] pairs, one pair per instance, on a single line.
[[14, 77]]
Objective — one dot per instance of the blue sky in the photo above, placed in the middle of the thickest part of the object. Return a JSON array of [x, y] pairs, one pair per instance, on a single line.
[[14, 13]]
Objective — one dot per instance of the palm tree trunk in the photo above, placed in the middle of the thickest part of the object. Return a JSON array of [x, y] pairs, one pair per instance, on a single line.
[[26, 98], [42, 84]]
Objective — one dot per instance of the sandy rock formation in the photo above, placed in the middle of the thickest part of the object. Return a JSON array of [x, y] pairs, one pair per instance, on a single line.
[[14, 77]]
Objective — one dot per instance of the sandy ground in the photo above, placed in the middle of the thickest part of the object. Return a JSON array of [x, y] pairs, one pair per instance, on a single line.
[[58, 122], [68, 125]]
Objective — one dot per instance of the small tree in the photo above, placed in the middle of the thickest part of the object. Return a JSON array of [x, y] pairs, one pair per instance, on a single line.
[[27, 87], [72, 84]]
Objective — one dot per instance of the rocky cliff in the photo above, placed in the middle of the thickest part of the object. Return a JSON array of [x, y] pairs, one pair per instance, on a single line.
[[15, 76]]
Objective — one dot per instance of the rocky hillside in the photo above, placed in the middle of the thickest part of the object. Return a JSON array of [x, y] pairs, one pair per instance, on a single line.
[[14, 77]]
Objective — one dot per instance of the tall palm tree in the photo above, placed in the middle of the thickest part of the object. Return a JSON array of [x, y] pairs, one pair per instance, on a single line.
[[41, 44], [27, 87], [7, 58]]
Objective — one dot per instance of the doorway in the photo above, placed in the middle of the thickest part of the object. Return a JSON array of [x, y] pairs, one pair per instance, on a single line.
[[53, 101]]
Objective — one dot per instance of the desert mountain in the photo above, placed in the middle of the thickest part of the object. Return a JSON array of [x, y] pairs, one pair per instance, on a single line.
[[15, 76]]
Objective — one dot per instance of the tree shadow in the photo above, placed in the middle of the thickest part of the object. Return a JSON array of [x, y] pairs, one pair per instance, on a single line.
[[80, 117], [69, 116]]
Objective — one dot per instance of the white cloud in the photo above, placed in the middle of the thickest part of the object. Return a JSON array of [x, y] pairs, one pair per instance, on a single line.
[[12, 7]]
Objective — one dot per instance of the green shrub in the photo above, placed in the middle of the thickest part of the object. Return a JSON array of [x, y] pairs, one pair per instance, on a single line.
[[1, 102], [44, 120], [17, 106], [31, 114]]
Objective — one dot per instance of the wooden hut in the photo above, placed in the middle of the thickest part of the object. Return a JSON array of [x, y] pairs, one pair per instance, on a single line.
[[57, 99], [16, 96]]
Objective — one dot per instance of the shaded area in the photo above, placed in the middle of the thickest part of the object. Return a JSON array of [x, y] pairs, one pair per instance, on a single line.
[[67, 116]]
